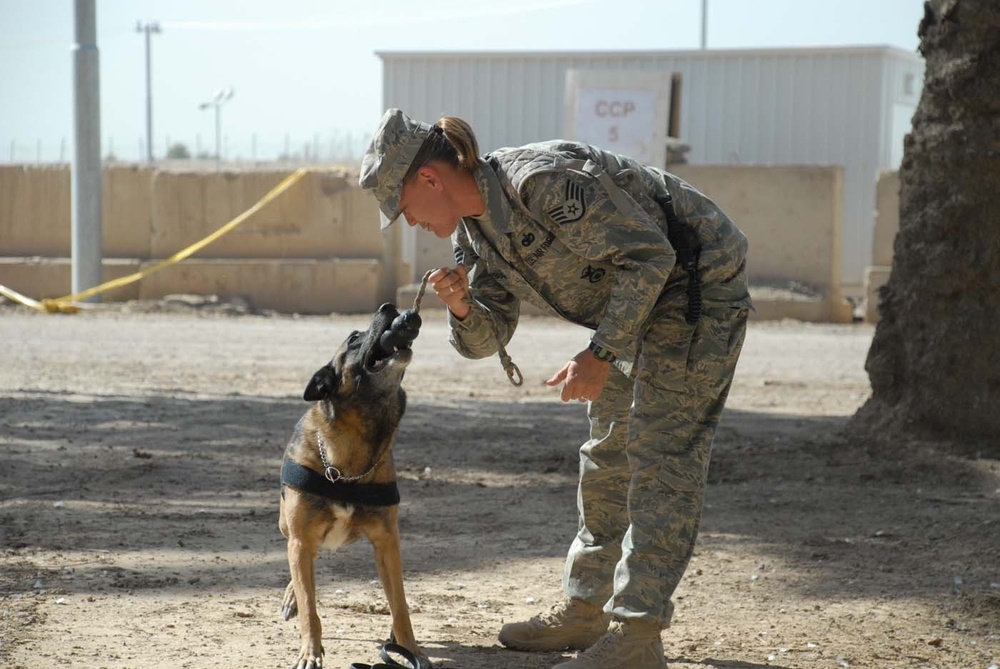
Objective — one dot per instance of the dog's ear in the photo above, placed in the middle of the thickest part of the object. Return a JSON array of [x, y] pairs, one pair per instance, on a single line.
[[322, 385]]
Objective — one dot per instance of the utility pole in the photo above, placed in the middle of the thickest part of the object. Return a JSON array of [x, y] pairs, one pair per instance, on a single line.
[[148, 29], [220, 97], [704, 24], [86, 172]]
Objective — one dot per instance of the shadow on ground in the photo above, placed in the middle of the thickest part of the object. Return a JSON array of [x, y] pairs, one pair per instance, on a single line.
[[203, 473]]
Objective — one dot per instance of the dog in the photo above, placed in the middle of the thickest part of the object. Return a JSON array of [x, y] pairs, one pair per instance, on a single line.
[[339, 481]]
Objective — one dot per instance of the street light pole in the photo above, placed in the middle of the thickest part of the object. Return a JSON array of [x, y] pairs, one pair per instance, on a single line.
[[148, 29], [704, 24], [218, 137], [85, 223], [221, 96]]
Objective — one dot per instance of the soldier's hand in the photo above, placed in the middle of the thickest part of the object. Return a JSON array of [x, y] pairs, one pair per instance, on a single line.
[[583, 377], [452, 286]]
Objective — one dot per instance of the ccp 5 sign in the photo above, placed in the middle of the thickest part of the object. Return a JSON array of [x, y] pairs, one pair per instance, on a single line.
[[618, 120]]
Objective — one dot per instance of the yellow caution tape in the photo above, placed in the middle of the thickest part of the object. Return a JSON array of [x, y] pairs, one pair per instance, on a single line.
[[65, 305], [15, 296]]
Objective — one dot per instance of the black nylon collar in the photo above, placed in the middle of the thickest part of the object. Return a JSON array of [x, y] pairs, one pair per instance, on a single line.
[[314, 483]]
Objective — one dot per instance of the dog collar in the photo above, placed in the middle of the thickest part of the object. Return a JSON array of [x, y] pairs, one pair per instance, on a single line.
[[334, 475], [363, 494]]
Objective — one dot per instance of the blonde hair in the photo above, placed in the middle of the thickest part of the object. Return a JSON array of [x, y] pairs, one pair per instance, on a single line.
[[452, 141], [460, 135]]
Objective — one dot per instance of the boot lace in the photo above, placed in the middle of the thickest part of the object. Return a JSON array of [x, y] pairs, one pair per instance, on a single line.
[[607, 643], [554, 616]]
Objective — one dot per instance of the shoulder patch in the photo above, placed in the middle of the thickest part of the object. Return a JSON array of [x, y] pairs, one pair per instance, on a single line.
[[572, 208]]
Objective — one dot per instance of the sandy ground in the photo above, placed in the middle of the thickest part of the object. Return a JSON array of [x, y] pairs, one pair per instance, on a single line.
[[139, 457]]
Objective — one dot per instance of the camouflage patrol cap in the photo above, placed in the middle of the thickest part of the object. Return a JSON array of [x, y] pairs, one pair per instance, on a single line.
[[387, 160]]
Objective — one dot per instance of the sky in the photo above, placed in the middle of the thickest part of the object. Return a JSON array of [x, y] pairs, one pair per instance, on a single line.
[[305, 75]]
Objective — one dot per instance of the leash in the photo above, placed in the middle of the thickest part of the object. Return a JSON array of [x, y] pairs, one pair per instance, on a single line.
[[405, 327], [511, 369], [388, 661]]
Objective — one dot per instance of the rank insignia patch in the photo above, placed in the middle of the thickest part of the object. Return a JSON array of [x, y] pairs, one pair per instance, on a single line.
[[572, 208]]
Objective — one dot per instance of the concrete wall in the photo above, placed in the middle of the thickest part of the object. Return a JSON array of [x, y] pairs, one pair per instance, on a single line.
[[317, 247], [314, 249], [883, 240], [154, 214], [40, 277], [35, 213], [305, 286], [886, 217], [792, 217], [323, 215]]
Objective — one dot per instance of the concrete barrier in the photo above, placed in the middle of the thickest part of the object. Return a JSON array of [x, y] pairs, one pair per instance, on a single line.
[[305, 286], [154, 214], [315, 249], [36, 215], [790, 214], [320, 216], [127, 198], [876, 276], [883, 241], [792, 218], [34, 211], [41, 277], [886, 217]]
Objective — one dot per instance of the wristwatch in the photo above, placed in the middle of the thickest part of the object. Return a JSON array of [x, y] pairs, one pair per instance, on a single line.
[[601, 353]]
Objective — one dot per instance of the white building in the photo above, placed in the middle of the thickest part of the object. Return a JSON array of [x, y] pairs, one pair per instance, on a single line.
[[848, 106]]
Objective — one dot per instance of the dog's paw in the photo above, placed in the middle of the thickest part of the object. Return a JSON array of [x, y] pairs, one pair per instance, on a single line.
[[289, 607], [309, 663], [310, 657]]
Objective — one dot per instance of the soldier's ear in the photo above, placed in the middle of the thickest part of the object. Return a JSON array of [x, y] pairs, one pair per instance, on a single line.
[[323, 385]]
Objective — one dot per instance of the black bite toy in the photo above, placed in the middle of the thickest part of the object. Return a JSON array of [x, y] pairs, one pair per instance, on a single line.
[[401, 333]]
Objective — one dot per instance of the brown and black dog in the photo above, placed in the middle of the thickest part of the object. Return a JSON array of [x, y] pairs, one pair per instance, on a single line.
[[339, 481]]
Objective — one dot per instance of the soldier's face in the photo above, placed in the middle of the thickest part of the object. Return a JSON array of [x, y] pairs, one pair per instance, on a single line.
[[426, 203]]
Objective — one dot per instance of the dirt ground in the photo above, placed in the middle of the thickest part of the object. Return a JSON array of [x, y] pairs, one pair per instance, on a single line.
[[139, 454]]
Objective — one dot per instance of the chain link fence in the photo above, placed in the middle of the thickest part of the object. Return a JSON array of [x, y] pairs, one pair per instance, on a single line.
[[340, 148]]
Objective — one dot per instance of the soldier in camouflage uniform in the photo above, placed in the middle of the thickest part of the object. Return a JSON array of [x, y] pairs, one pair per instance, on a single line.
[[584, 235]]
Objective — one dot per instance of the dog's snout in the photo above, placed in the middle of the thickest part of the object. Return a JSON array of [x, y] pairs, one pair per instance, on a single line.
[[388, 306]]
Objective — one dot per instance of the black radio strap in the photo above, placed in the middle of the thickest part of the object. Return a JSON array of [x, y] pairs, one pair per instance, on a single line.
[[687, 244]]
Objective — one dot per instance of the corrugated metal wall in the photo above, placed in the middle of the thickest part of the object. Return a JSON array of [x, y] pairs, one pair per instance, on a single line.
[[836, 106]]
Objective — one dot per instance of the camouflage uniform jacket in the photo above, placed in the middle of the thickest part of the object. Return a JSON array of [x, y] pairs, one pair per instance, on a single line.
[[577, 232]]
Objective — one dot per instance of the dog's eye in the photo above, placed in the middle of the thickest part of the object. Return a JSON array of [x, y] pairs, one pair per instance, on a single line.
[[354, 337]]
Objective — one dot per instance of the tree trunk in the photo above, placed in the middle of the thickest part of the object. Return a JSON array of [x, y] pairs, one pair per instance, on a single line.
[[934, 363]]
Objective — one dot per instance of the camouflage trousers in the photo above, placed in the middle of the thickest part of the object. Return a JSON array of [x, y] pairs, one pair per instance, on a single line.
[[643, 471]]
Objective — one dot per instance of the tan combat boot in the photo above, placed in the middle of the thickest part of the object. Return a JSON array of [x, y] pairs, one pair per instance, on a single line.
[[626, 645], [572, 623]]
